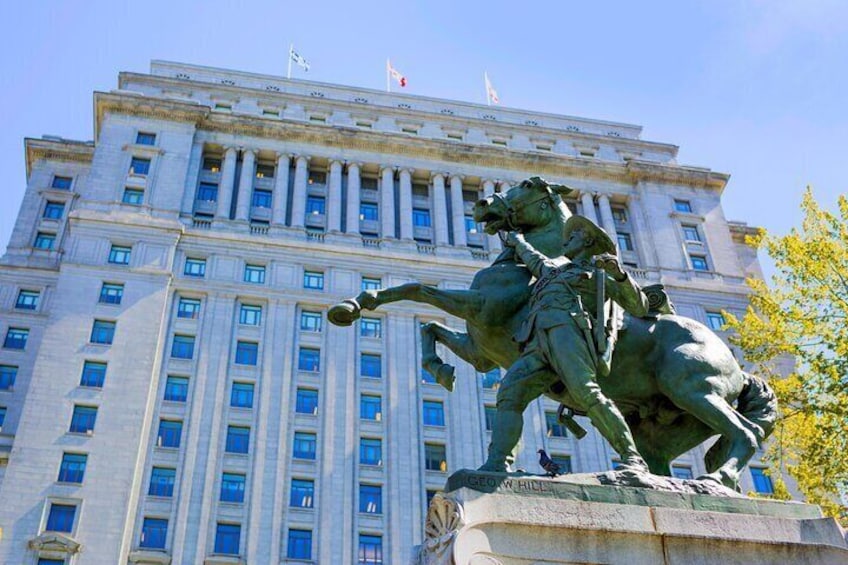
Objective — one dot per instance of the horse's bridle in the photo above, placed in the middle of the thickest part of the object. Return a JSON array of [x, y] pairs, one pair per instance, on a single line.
[[512, 211]]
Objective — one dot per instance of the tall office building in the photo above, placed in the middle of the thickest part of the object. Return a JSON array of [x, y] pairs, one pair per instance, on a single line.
[[170, 389]]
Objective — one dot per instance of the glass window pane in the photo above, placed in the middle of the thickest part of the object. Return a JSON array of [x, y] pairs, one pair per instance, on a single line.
[[83, 419], [307, 401], [143, 138], [238, 439], [195, 267], [154, 532], [227, 539], [247, 352], [370, 327], [370, 550], [62, 183], [682, 471], [162, 482], [212, 164], [111, 293], [93, 374], [421, 217], [170, 433], [435, 458], [370, 451], [300, 544], [176, 389], [368, 212], [315, 205], [371, 365], [302, 493], [370, 407], [241, 395], [308, 359], [182, 347], [72, 469], [103, 332], [555, 429], [16, 338], [310, 321], [61, 518], [254, 274], [313, 280], [683, 206], [139, 166], [207, 192], [370, 283], [699, 263], [27, 300], [133, 196], [44, 240], [489, 413], [8, 374], [232, 487], [434, 413], [371, 499], [120, 255], [262, 198], [188, 308], [304, 445], [762, 482], [53, 210]]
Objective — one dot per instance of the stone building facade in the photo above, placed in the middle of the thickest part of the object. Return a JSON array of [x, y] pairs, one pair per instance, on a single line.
[[171, 391]]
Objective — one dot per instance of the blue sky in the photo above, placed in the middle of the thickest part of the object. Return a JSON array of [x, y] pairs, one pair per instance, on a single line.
[[756, 89]]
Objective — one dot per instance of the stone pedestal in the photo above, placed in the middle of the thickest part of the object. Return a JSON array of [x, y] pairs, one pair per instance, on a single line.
[[490, 518]]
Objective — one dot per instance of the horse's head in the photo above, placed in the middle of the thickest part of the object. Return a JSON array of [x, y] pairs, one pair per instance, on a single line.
[[526, 207]]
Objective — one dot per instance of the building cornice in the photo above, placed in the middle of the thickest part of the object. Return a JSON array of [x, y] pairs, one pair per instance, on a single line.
[[145, 107], [56, 150]]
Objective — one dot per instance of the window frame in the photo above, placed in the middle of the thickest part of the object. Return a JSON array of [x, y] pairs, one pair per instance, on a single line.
[[173, 433], [295, 544], [237, 440], [172, 384], [371, 327], [186, 345], [72, 468], [103, 332], [44, 241], [227, 533], [306, 401], [429, 461], [713, 317], [139, 163], [16, 338], [49, 210], [241, 396], [696, 261], [371, 451], [366, 407], [194, 311], [145, 138], [90, 368], [313, 280], [309, 359], [369, 361], [302, 491], [683, 206], [157, 486], [316, 321], [206, 189], [145, 543], [433, 413], [120, 254], [83, 419], [8, 376], [370, 502], [305, 439], [232, 495], [247, 353], [254, 274], [195, 267], [73, 517], [133, 196], [27, 299], [111, 293]]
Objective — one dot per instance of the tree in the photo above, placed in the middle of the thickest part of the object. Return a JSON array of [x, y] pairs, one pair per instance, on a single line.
[[804, 316]]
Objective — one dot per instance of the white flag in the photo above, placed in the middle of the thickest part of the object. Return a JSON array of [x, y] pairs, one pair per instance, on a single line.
[[303, 63]]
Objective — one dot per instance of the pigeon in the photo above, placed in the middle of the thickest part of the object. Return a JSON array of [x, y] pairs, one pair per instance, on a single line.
[[548, 464]]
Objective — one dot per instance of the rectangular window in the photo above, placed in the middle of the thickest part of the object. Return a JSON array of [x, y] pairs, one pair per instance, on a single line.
[[154, 532], [207, 192], [699, 262], [304, 445], [139, 167], [83, 419], [435, 458], [489, 413], [133, 196], [491, 380], [370, 283], [619, 215], [682, 471], [170, 433], [182, 347], [8, 374], [371, 407], [370, 327], [16, 338], [27, 300], [93, 374], [368, 212], [315, 205], [683, 206], [370, 550], [430, 495], [625, 242], [370, 365], [313, 280], [555, 429], [300, 544], [434, 413], [48, 561], [310, 321], [162, 482], [564, 462], [308, 359], [368, 183], [120, 255], [44, 240], [143, 138], [370, 451], [715, 321], [247, 352], [371, 499], [103, 332], [254, 274], [317, 177], [262, 198], [762, 482], [426, 377], [471, 226], [264, 170], [2, 416], [111, 293], [61, 518], [62, 183], [250, 315], [238, 439], [307, 401], [188, 308], [241, 395], [690, 234], [72, 469], [194, 267], [232, 487], [302, 493], [227, 539], [176, 388], [53, 210], [421, 217], [212, 164]]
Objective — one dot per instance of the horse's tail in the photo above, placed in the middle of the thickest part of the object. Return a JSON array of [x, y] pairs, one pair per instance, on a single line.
[[758, 403]]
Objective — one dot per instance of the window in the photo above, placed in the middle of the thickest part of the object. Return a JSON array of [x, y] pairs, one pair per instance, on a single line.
[[304, 445], [421, 218], [499, 142], [625, 242], [247, 352], [176, 388], [262, 198], [188, 308], [241, 395], [368, 183], [690, 234], [300, 544], [227, 539], [315, 205], [434, 413], [142, 138], [139, 167], [162, 482], [555, 429], [313, 280], [133, 196], [27, 300], [619, 215], [53, 210], [44, 240], [683, 206], [170, 433], [370, 327], [223, 107], [317, 177], [8, 374], [254, 274], [103, 332], [62, 183], [232, 487], [194, 267], [310, 321], [543, 147], [371, 499], [182, 347], [454, 136], [120, 255], [370, 451], [154, 532], [715, 320], [212, 164], [435, 458], [564, 462], [369, 283], [308, 359], [302, 492], [471, 225], [16, 338], [682, 471], [48, 561], [207, 192], [491, 379], [430, 495], [371, 407], [762, 482], [370, 550], [83, 419], [307, 401], [93, 374], [72, 469], [370, 365], [238, 439], [264, 170], [368, 212], [2, 416], [61, 518], [489, 413], [427, 377], [111, 293], [699, 262]]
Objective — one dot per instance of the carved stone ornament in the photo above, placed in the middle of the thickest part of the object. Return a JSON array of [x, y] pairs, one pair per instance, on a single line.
[[55, 543], [445, 518]]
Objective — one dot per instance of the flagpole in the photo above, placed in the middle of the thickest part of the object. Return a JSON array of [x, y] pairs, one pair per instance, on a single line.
[[388, 78], [486, 86], [291, 49]]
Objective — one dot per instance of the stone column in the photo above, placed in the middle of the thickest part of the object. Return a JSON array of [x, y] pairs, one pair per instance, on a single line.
[[588, 206], [281, 189], [493, 242], [301, 175], [458, 211], [387, 202], [440, 210], [334, 194], [353, 197], [405, 204], [504, 186], [245, 191], [607, 221], [225, 188]]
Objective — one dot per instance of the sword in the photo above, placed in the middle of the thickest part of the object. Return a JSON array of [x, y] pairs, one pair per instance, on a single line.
[[600, 311]]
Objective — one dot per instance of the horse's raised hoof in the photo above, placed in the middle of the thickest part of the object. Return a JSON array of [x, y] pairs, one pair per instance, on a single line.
[[721, 479], [344, 313], [445, 376]]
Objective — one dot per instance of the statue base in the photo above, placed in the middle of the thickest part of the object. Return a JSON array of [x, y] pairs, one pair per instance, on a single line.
[[505, 519]]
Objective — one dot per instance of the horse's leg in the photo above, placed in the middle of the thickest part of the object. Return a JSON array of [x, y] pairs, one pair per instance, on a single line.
[[660, 443], [460, 343], [460, 303]]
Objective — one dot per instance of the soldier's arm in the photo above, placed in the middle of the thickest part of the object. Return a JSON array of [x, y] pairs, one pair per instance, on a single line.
[[538, 263], [628, 294]]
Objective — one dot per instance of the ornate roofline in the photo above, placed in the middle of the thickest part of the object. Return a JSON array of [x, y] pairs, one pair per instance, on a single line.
[[145, 106], [56, 150]]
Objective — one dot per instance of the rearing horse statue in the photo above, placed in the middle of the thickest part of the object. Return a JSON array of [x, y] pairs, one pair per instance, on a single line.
[[672, 378]]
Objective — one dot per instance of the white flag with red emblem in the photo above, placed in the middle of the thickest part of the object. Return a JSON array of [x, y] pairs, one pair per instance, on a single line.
[[491, 93], [395, 74]]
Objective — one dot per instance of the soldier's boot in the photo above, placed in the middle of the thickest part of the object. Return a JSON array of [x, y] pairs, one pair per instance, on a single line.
[[611, 424], [506, 431]]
